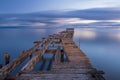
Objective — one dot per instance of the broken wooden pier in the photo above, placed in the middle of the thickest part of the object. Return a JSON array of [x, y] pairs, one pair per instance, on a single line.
[[68, 61]]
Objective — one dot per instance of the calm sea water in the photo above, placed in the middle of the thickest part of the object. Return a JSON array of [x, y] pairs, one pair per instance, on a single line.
[[102, 46]]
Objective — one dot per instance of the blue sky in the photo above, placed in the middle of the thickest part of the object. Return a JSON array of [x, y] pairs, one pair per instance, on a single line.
[[26, 6]]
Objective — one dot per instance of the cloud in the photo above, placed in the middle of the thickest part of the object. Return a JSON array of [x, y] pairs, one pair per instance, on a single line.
[[72, 21], [96, 14], [89, 14], [10, 24], [97, 17], [25, 25]]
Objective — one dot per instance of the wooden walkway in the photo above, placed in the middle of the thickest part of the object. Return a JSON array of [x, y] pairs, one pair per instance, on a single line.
[[76, 67], [12, 65]]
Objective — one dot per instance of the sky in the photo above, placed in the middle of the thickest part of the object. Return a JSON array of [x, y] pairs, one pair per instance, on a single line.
[[26, 6], [60, 12]]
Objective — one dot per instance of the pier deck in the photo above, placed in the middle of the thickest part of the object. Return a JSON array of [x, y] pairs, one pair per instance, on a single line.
[[76, 67]]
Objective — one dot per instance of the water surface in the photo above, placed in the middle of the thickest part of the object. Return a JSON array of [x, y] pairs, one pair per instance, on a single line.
[[100, 45]]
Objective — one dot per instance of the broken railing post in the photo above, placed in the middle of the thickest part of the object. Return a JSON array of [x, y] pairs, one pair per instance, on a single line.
[[7, 58]]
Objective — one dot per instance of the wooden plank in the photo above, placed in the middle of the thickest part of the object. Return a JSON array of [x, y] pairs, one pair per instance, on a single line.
[[30, 65], [12, 65], [77, 68]]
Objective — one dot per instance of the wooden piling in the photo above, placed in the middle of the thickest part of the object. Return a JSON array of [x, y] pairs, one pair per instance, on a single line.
[[62, 56], [30, 56], [7, 58], [58, 55], [0, 66]]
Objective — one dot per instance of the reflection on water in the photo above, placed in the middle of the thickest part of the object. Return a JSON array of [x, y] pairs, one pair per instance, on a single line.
[[100, 45], [84, 34]]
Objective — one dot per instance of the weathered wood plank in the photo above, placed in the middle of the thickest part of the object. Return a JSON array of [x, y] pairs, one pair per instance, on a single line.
[[12, 65], [77, 68], [30, 65]]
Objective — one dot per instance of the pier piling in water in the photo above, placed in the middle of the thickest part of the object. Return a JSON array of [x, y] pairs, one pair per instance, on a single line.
[[7, 58], [0, 66]]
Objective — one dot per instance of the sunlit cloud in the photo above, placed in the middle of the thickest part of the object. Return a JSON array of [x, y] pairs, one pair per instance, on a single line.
[[37, 24], [115, 21], [73, 21]]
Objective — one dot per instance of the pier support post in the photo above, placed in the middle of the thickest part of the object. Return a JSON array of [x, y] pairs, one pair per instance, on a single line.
[[0, 66], [62, 55], [58, 55], [79, 42], [30, 56], [7, 58]]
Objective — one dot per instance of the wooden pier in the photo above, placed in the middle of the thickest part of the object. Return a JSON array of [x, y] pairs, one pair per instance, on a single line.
[[76, 65]]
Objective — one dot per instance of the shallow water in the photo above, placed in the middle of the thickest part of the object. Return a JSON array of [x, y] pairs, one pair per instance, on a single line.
[[100, 45]]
